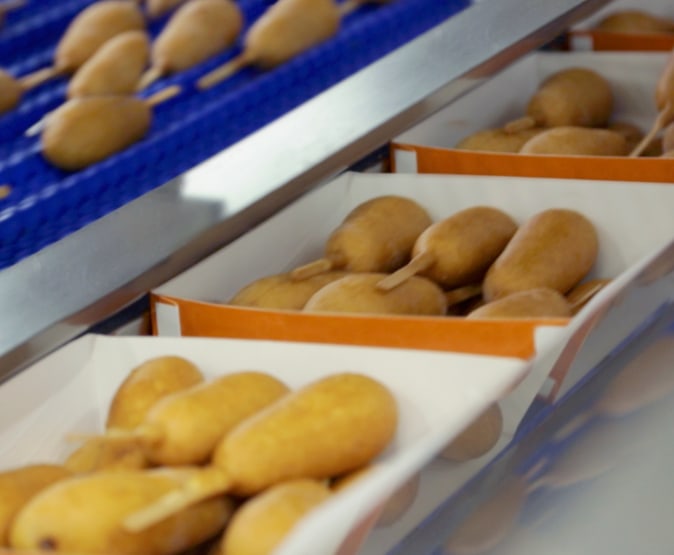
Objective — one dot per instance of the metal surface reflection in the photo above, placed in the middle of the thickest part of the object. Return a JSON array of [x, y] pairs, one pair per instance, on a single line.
[[492, 521], [594, 476]]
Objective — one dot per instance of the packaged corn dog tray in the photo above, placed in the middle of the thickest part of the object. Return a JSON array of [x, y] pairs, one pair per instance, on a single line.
[[578, 115], [80, 420], [625, 25], [626, 270]]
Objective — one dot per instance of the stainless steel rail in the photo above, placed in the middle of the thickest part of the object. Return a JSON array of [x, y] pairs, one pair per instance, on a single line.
[[60, 292]]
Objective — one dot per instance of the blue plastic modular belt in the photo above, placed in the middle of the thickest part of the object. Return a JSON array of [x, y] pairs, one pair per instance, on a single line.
[[46, 204]]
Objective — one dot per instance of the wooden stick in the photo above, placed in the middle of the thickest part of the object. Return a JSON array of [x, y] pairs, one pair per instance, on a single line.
[[312, 269], [520, 124], [144, 433], [663, 119], [581, 301], [418, 264], [149, 77], [460, 294], [224, 71], [39, 125], [163, 95], [207, 483], [32, 80]]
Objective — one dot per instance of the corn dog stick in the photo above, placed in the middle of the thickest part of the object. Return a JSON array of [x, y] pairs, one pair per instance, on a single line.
[[664, 118], [664, 102], [418, 264], [210, 482], [460, 294], [256, 455], [584, 293], [163, 95], [224, 71], [313, 268], [41, 76]]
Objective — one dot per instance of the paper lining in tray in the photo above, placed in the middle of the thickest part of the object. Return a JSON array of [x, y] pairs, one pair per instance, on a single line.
[[193, 303], [70, 391]]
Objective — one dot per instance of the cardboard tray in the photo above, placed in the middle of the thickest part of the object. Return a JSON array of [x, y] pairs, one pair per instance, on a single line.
[[584, 37], [428, 147], [70, 391], [192, 303]]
